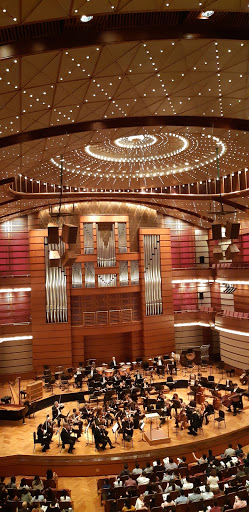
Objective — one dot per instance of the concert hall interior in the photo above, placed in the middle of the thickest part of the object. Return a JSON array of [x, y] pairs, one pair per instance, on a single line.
[[124, 255]]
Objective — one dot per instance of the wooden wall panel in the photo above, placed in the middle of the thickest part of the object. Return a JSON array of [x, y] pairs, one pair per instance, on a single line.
[[104, 347], [51, 342], [16, 355], [234, 350], [188, 336]]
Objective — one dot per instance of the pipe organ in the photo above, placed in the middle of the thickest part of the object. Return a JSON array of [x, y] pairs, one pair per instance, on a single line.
[[109, 292], [55, 285], [152, 275]]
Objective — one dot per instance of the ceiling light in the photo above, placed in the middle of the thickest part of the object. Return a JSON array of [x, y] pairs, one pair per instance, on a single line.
[[206, 14], [85, 19]]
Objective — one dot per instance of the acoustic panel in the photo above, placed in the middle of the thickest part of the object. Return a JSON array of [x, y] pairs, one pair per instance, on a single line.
[[53, 234], [69, 234]]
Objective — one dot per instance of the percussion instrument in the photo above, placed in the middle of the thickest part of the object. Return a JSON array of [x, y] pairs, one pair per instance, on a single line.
[[100, 369], [109, 372], [124, 369]]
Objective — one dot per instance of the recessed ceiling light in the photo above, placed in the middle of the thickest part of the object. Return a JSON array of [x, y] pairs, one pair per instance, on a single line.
[[206, 14]]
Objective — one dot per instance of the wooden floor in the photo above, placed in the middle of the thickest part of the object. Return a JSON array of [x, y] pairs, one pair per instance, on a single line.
[[17, 439]]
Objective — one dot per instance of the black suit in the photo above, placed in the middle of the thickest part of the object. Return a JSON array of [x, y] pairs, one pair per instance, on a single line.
[[43, 439], [67, 439]]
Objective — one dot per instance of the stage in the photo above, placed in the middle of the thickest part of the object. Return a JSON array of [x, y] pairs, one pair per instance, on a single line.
[[16, 443]]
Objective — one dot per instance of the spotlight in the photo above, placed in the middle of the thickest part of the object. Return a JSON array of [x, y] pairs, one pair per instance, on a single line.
[[205, 15], [85, 19]]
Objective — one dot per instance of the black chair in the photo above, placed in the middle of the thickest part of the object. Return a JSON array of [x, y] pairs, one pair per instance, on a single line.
[[220, 418], [35, 440]]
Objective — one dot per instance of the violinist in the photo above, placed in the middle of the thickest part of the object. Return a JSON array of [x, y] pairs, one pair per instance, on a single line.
[[43, 438], [56, 412], [101, 437], [48, 427], [75, 419]]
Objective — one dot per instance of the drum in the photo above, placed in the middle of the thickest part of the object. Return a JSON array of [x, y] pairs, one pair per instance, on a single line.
[[124, 369], [109, 372], [100, 369]]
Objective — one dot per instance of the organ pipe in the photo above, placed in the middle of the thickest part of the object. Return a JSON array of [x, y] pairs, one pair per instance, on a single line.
[[106, 256], [152, 275], [55, 286]]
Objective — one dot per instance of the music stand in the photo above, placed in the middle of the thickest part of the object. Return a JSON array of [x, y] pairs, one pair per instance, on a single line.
[[141, 428], [88, 442], [115, 431]]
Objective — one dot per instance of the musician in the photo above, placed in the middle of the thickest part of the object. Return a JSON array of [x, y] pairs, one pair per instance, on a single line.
[[160, 366], [239, 391], [56, 412], [67, 438], [195, 423], [43, 438], [78, 377], [101, 437], [138, 377], [113, 363], [209, 409], [48, 427], [75, 420]]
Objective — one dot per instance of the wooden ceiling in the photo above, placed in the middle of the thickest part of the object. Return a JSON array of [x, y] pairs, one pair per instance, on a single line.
[[65, 85]]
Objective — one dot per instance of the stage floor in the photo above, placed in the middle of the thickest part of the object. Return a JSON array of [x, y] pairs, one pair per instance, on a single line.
[[16, 441]]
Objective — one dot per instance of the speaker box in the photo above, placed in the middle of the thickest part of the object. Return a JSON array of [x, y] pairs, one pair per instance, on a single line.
[[217, 253], [232, 251], [232, 230], [202, 259], [53, 234], [54, 259], [68, 258], [216, 231], [69, 233], [201, 295]]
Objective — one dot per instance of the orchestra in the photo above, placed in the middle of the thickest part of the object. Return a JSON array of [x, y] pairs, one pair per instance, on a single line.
[[127, 396]]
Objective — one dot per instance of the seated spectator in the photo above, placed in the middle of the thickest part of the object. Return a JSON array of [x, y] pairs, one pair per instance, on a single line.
[[240, 472], [168, 503], [213, 481], [182, 463], [51, 477], [127, 506], [26, 496], [125, 471], [158, 466], [229, 451], [118, 482], [207, 494], [239, 450], [215, 507], [12, 483], [49, 494], [137, 470], [23, 484], [210, 457], [186, 483], [37, 483], [230, 487], [172, 487], [168, 477], [53, 507], [202, 459], [140, 503], [148, 468], [181, 498], [195, 495], [238, 503], [106, 490], [130, 482], [143, 479], [171, 465], [38, 496], [65, 496]]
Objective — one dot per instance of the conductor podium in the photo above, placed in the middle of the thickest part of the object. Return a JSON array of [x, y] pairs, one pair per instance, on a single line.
[[156, 435]]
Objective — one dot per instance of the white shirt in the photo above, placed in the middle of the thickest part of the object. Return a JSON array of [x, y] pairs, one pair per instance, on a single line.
[[187, 485], [207, 495], [143, 480], [139, 504], [213, 482], [118, 483]]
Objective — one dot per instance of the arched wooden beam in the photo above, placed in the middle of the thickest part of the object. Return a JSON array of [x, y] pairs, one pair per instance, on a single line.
[[227, 123], [50, 35]]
